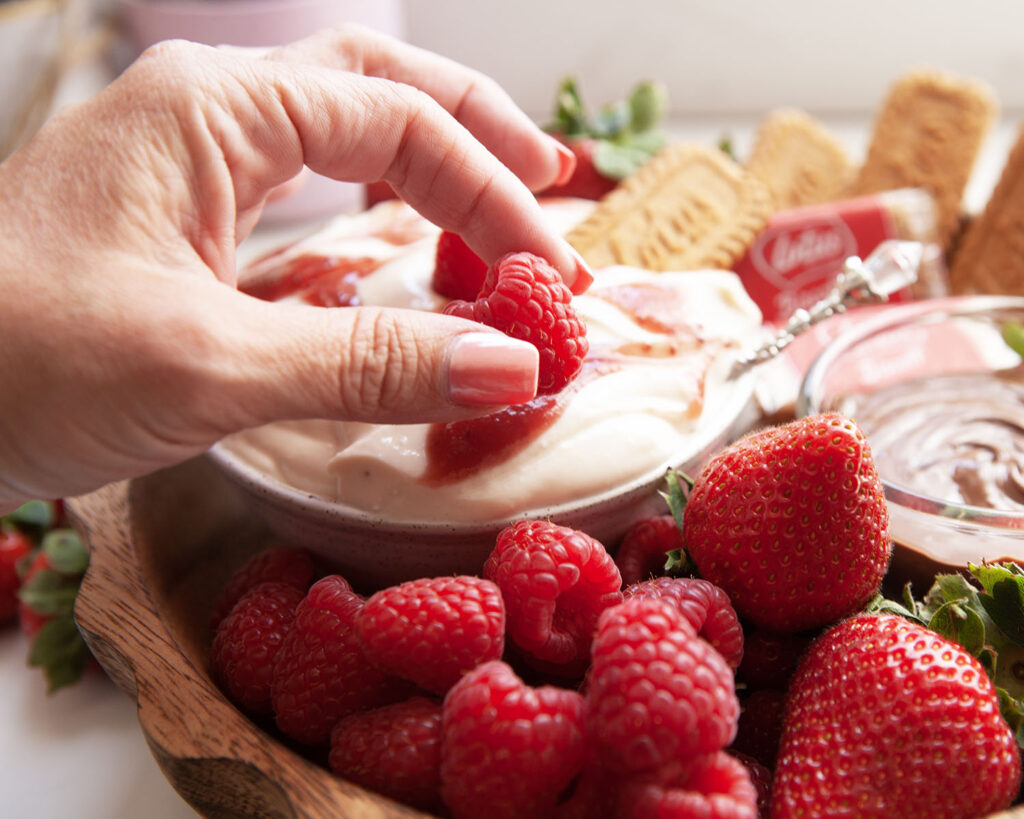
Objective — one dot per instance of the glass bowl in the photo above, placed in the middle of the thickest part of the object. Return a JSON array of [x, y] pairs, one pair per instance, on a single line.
[[940, 397]]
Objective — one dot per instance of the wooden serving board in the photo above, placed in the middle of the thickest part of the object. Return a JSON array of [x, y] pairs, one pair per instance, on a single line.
[[161, 547]]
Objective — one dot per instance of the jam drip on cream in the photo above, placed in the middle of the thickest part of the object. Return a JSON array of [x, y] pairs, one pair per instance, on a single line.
[[324, 281]]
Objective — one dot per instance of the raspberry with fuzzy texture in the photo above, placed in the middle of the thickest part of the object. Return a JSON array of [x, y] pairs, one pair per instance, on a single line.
[[705, 607], [321, 673], [645, 547], [508, 750], [283, 564], [556, 581], [433, 630], [657, 692], [761, 777], [711, 786], [525, 297], [458, 272], [394, 750], [247, 641]]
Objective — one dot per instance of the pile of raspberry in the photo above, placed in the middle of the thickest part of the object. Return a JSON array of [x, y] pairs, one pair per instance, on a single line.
[[559, 683]]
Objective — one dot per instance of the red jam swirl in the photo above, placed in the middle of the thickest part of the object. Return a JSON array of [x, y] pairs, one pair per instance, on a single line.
[[323, 281], [655, 307]]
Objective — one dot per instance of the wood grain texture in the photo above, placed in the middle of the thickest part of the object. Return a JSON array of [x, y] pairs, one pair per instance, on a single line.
[[160, 548]]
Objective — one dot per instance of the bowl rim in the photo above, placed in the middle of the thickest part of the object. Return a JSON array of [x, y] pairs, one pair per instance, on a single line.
[[905, 315], [282, 495]]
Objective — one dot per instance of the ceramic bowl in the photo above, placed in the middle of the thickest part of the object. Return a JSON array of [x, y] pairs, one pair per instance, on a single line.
[[928, 340], [372, 551]]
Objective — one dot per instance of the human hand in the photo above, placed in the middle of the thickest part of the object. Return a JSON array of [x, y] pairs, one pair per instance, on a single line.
[[123, 343]]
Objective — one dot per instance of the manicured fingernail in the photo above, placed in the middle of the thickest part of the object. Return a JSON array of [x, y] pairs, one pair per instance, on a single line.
[[584, 278], [566, 163], [491, 369]]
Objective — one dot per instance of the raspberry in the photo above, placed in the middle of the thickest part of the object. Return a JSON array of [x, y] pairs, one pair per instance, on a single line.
[[248, 639], [281, 565], [769, 659], [14, 546], [508, 750], [320, 673], [761, 778], [458, 272], [657, 692], [394, 750], [524, 297], [715, 786], [705, 607], [644, 549], [760, 726], [433, 630], [556, 581]]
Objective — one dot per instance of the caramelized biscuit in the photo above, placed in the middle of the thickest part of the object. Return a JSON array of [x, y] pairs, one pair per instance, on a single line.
[[927, 135], [688, 208], [799, 160]]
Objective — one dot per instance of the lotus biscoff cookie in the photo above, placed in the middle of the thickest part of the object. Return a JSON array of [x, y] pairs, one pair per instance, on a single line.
[[927, 135], [688, 208], [800, 160], [990, 258]]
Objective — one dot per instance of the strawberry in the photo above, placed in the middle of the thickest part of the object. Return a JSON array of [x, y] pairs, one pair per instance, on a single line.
[[394, 750], [247, 641], [887, 718], [705, 607], [645, 547], [282, 565], [610, 145], [433, 630], [14, 547], [555, 581], [458, 272], [657, 693], [791, 522], [715, 786], [524, 297], [321, 673], [508, 750]]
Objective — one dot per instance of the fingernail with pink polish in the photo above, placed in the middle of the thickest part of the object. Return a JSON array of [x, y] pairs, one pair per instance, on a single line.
[[491, 369], [566, 163], [584, 278]]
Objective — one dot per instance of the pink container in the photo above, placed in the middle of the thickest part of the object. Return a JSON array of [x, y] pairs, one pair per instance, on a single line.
[[260, 23]]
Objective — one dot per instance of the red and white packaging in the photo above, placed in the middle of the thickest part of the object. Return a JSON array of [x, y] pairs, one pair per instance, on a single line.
[[794, 260]]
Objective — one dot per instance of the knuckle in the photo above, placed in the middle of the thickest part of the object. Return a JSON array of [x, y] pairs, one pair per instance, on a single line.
[[381, 367]]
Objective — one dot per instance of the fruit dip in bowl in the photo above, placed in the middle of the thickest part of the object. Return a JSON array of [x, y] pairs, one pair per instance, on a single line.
[[387, 501], [939, 394]]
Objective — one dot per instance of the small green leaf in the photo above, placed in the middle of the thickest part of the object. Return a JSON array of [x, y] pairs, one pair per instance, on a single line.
[[49, 593], [647, 105], [881, 605], [66, 552], [617, 161], [1013, 712], [726, 146], [678, 564], [961, 625], [60, 651], [36, 513], [1013, 335], [1005, 605], [610, 121], [676, 496], [570, 117]]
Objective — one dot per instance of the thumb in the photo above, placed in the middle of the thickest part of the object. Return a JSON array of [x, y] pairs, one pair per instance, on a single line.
[[383, 365]]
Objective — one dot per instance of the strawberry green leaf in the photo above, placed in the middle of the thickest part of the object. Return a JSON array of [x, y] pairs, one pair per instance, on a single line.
[[610, 121], [1013, 335], [962, 625], [1013, 712], [726, 146], [66, 552], [617, 161], [60, 651], [1005, 605], [678, 564], [36, 513], [907, 609], [49, 593], [647, 106], [570, 116], [676, 496]]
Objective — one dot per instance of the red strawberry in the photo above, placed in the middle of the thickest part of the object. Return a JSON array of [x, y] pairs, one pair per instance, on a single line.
[[321, 673], [458, 272], [280, 565], [887, 718], [433, 630], [791, 522], [644, 549], [715, 786], [14, 546], [769, 658], [760, 728], [555, 581], [508, 750], [705, 607], [586, 182], [524, 297], [394, 750], [29, 618], [658, 693], [247, 641]]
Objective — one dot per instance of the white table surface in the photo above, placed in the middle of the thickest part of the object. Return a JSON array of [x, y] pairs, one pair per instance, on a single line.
[[80, 752]]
